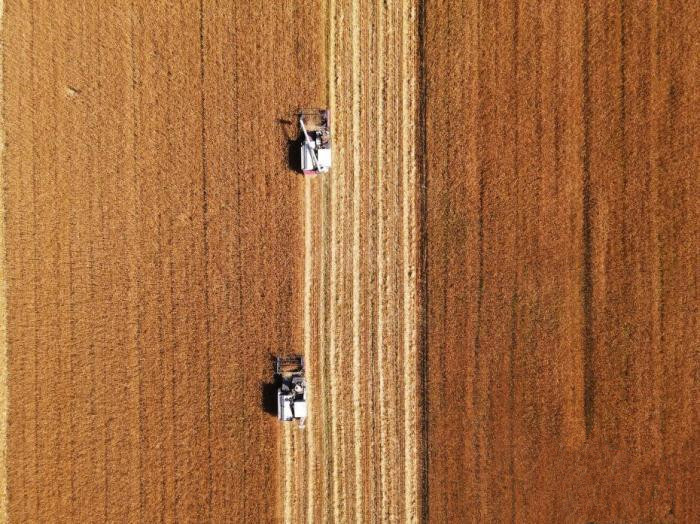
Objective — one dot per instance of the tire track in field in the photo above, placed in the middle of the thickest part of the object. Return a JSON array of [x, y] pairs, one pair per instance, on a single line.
[[332, 351], [308, 267], [380, 273], [287, 463], [356, 304], [410, 254], [359, 318], [3, 305]]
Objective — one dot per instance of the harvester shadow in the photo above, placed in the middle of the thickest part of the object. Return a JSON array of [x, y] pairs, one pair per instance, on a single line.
[[293, 145], [269, 398]]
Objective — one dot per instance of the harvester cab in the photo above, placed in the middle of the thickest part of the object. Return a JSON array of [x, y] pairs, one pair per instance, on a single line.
[[315, 151], [291, 390]]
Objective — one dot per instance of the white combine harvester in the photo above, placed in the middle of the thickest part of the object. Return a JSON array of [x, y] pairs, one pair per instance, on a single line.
[[291, 391], [315, 124]]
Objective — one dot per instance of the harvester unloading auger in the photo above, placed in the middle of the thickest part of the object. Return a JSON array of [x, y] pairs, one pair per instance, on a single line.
[[315, 151], [291, 389]]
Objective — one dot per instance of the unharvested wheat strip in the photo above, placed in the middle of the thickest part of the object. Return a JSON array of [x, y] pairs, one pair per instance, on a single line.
[[380, 266], [326, 447], [356, 373], [409, 173], [332, 350], [343, 257]]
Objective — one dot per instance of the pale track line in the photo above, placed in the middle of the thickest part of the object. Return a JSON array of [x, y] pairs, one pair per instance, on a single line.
[[393, 412], [333, 361], [380, 267], [309, 431], [390, 250], [322, 365], [4, 372], [325, 483], [322, 357], [411, 510], [287, 460], [332, 350], [356, 349], [299, 451], [397, 306]]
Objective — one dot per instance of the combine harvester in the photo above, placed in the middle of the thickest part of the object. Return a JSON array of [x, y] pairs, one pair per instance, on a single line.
[[315, 124], [289, 371], [291, 390]]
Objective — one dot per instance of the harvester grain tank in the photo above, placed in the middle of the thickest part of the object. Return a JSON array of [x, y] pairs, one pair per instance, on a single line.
[[315, 125]]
